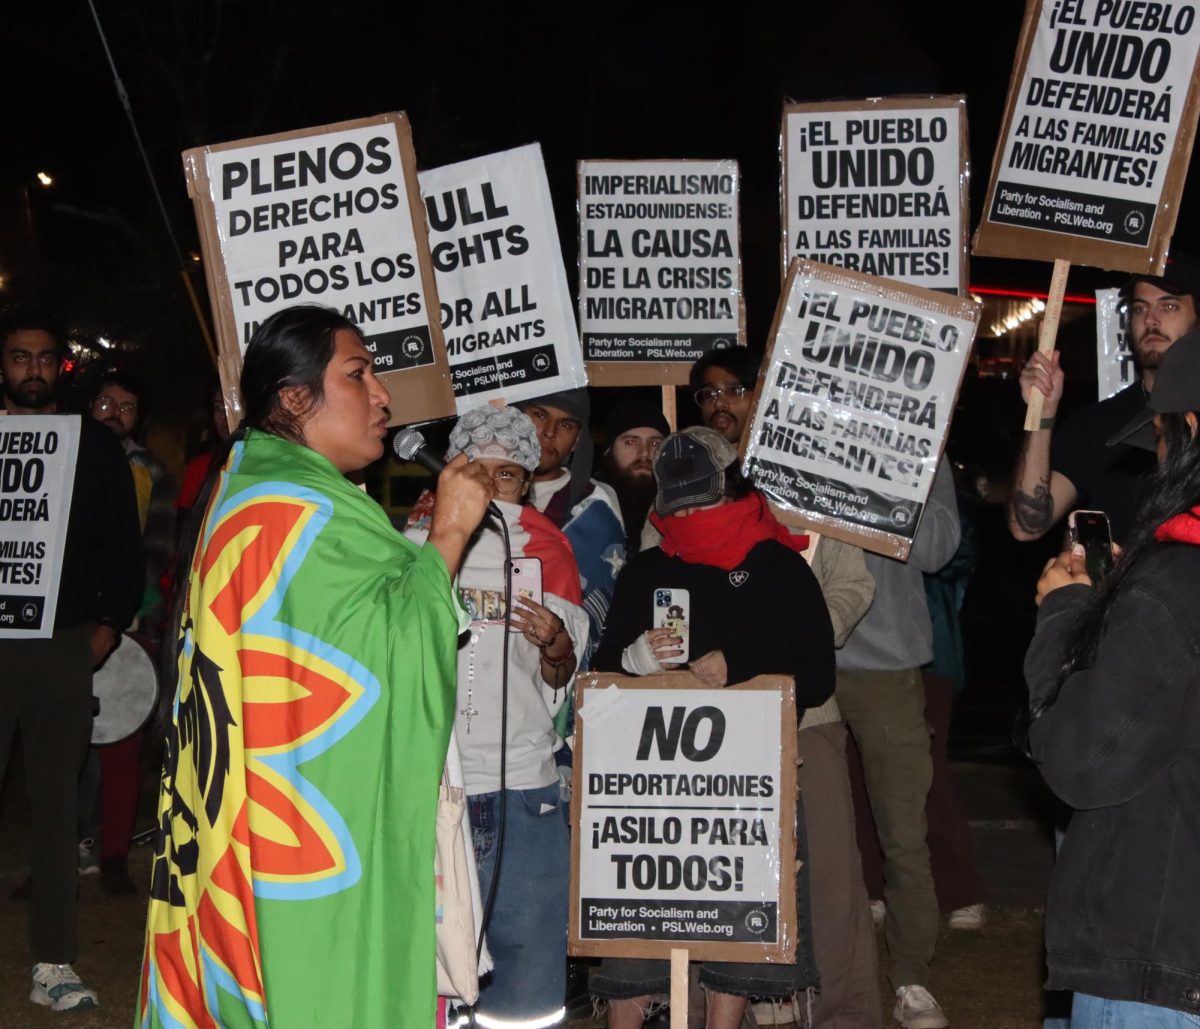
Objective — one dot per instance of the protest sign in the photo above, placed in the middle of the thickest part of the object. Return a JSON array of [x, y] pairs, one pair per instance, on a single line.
[[879, 186], [853, 403], [1097, 135], [660, 274], [506, 310], [1114, 360], [37, 478], [329, 215], [685, 813]]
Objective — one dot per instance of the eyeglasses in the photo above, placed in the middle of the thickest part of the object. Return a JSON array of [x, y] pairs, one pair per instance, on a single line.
[[709, 394], [109, 404], [507, 484]]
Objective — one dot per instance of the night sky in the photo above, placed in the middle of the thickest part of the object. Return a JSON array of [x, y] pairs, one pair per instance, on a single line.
[[600, 81]]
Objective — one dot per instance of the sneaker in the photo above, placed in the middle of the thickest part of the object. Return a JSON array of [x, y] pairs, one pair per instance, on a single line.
[[114, 876], [89, 863], [878, 912], [58, 987], [970, 917], [916, 1009]]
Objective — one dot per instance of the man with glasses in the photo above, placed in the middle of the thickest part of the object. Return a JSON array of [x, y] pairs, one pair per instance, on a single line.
[[47, 683], [118, 405], [1070, 468], [843, 937]]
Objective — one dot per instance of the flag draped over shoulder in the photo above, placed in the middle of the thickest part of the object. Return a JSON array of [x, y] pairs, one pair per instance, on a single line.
[[293, 880]]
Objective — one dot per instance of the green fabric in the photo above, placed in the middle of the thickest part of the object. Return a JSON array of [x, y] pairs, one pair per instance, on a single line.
[[320, 649]]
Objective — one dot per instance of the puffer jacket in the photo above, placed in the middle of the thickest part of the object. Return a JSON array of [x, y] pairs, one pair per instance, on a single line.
[[1121, 745]]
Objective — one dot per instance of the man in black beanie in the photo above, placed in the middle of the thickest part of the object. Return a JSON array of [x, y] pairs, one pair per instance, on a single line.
[[634, 430]]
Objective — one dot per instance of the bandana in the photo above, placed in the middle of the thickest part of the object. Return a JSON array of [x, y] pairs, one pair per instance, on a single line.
[[723, 536], [1183, 528]]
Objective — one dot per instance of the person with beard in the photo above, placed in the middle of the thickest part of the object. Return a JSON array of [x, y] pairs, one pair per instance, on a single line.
[[1072, 468], [585, 510], [635, 429], [47, 689]]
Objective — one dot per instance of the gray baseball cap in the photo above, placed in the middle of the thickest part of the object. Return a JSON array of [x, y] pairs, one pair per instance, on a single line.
[[690, 469]]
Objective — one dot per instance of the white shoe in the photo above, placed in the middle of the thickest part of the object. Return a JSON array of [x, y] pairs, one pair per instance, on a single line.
[[970, 917], [878, 912], [916, 1009], [58, 987], [89, 863]]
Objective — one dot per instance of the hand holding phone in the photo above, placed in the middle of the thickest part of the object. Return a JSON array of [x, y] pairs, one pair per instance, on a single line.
[[1090, 530], [672, 610]]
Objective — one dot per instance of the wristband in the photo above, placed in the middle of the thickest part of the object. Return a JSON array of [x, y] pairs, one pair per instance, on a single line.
[[1046, 423]]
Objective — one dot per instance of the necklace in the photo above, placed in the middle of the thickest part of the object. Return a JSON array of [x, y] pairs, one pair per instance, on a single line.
[[469, 712]]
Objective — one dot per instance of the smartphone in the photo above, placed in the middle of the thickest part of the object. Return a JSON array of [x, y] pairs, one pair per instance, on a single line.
[[672, 610], [1090, 529], [525, 578]]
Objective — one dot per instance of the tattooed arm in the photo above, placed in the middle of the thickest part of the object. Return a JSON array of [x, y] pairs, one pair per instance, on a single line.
[[1039, 497]]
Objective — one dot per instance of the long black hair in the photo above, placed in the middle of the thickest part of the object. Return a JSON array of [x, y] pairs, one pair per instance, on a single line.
[[291, 349], [1173, 489]]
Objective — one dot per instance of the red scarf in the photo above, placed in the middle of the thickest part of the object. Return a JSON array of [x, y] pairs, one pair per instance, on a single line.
[[1183, 528], [723, 535]]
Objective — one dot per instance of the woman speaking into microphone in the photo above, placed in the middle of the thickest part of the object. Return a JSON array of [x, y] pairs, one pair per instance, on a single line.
[[315, 684]]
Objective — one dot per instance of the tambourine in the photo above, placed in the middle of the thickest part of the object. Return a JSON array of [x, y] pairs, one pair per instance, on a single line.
[[126, 689]]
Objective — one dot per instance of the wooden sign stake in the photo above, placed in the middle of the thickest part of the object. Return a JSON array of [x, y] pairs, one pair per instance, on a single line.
[[679, 986], [669, 412], [1047, 336]]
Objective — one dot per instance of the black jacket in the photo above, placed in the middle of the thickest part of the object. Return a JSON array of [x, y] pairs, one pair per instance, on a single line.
[[1121, 745], [104, 571], [767, 616]]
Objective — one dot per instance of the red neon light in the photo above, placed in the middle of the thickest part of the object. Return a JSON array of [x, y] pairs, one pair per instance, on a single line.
[[993, 291]]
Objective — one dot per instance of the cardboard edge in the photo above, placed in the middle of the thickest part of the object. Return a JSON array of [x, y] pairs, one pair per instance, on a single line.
[[785, 950]]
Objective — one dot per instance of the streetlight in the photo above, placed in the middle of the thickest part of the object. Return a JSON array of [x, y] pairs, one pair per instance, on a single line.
[[45, 179]]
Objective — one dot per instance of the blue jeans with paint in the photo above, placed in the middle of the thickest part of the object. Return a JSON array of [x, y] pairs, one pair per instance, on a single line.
[[1088, 1012], [527, 934]]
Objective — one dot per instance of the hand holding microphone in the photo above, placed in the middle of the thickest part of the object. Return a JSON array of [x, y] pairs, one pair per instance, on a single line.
[[464, 494]]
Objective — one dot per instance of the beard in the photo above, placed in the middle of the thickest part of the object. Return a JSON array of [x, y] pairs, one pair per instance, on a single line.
[[1149, 348], [24, 396], [636, 489]]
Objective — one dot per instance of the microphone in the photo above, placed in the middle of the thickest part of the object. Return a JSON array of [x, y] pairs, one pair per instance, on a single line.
[[410, 445]]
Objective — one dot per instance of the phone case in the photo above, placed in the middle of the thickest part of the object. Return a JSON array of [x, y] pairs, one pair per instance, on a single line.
[[672, 610]]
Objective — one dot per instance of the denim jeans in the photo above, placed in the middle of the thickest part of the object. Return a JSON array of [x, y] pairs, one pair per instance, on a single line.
[[1090, 1012], [527, 934]]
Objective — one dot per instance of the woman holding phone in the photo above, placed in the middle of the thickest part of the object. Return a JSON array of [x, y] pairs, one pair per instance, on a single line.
[[1114, 681], [528, 868]]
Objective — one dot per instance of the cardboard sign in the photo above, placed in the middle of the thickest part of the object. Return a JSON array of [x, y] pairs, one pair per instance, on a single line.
[[879, 186], [37, 479], [854, 401], [333, 216], [506, 309], [660, 271], [684, 810], [1097, 135], [1114, 359]]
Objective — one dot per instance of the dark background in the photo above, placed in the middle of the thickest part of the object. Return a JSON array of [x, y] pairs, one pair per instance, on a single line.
[[583, 80]]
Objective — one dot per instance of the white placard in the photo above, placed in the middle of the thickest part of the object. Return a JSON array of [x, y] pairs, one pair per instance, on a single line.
[[1114, 360], [683, 803], [324, 219], [506, 309], [854, 402], [1098, 129], [37, 479], [879, 188], [660, 260]]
